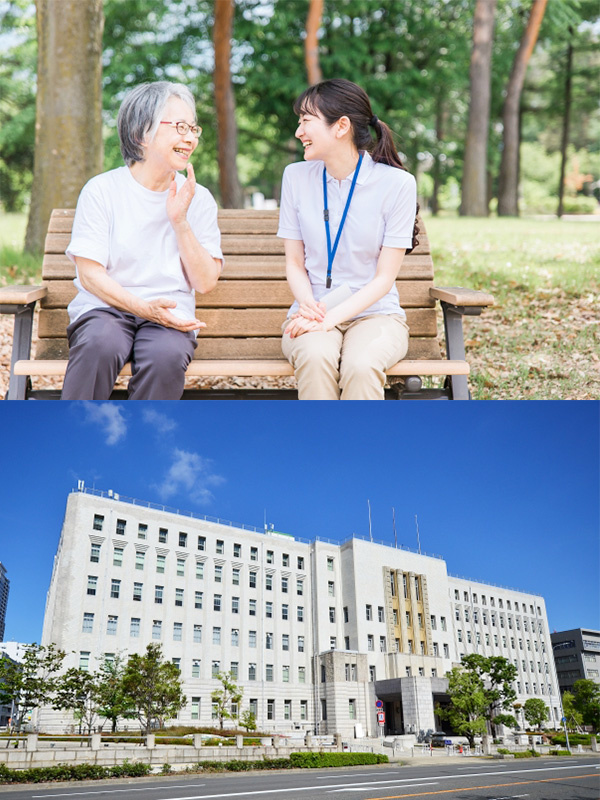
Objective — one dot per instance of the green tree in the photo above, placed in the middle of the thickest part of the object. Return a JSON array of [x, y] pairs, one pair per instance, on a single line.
[[114, 703], [586, 700], [31, 683], [468, 703], [227, 698], [536, 712], [77, 691], [574, 720], [153, 687], [248, 720]]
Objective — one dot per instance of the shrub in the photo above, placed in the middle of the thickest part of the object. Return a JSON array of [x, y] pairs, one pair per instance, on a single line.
[[560, 753], [71, 772], [312, 760]]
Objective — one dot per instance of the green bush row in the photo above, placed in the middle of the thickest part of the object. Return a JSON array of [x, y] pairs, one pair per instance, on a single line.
[[574, 738], [503, 751], [311, 760], [560, 753], [73, 772], [241, 766]]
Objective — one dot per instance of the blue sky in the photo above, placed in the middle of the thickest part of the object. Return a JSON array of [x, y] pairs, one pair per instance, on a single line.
[[505, 492]]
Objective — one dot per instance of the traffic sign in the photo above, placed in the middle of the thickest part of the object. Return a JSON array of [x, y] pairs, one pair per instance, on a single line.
[[381, 717], [379, 703]]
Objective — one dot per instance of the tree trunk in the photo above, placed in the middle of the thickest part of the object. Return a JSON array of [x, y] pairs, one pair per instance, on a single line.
[[474, 189], [311, 43], [508, 185], [565, 128], [439, 136], [231, 191], [68, 126]]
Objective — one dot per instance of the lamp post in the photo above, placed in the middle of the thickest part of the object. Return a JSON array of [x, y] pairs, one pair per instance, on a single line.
[[562, 711]]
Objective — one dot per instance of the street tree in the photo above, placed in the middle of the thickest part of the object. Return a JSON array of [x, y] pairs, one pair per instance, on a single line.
[[77, 691], [311, 42], [468, 703], [248, 720], [536, 712], [153, 688], [226, 700], [68, 124], [31, 683], [586, 700], [573, 718], [114, 703]]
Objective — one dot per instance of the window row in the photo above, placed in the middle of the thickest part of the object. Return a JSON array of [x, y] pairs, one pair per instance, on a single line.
[[460, 635], [272, 709], [511, 622], [501, 602]]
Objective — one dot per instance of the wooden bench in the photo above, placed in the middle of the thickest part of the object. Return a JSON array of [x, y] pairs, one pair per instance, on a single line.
[[244, 314]]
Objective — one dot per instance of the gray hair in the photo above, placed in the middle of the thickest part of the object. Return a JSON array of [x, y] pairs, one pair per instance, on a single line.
[[140, 112]]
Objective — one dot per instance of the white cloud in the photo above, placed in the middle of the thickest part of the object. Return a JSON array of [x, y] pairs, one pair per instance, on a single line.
[[110, 417], [160, 422], [190, 474]]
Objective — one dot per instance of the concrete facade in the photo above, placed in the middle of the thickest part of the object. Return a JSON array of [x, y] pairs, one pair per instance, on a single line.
[[316, 632], [4, 589], [577, 656]]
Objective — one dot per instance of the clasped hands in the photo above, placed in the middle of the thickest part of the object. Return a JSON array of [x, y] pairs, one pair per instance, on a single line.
[[310, 317]]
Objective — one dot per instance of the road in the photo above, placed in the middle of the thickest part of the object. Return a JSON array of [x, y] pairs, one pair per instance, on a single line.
[[542, 779]]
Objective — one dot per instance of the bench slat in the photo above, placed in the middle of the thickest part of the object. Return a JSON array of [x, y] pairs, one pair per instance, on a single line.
[[56, 266], [267, 347], [255, 368], [251, 294], [239, 322]]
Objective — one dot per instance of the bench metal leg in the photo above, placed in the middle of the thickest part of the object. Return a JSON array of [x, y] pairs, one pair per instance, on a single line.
[[455, 346], [21, 349]]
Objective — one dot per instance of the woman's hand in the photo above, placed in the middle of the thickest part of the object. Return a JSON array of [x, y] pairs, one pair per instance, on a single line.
[[299, 325], [311, 310], [178, 202]]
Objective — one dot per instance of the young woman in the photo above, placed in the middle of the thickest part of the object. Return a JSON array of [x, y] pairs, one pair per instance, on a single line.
[[144, 238], [347, 217]]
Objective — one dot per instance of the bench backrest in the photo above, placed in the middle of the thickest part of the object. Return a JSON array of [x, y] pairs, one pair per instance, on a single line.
[[244, 313]]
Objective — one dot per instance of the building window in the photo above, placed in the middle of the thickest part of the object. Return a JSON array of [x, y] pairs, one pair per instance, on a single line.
[[252, 608], [270, 709], [331, 614], [303, 709], [196, 668], [300, 587], [237, 550], [372, 673], [301, 674], [156, 629], [235, 670], [88, 623], [269, 641], [380, 614], [198, 598], [370, 643], [323, 674], [197, 634], [369, 613], [285, 674], [332, 642], [420, 619], [158, 594], [324, 710], [177, 631], [115, 588], [200, 570], [98, 522], [95, 553], [139, 559], [235, 576], [284, 585], [417, 589], [331, 588], [92, 583], [142, 530], [252, 672], [285, 613], [300, 562], [137, 591], [287, 709], [163, 535], [352, 708], [182, 539], [346, 642], [134, 627], [216, 639], [285, 560], [180, 567], [235, 605], [179, 597], [160, 564], [269, 609], [217, 602], [118, 557], [300, 613], [120, 527], [254, 554], [301, 644], [202, 543], [268, 582], [345, 611], [446, 651], [443, 623], [285, 641], [433, 623], [84, 660], [251, 638], [235, 637], [270, 557], [330, 564], [269, 672], [382, 646], [216, 668], [252, 580], [218, 573]]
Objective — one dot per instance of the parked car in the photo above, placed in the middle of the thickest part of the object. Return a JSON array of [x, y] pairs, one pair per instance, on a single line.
[[441, 739]]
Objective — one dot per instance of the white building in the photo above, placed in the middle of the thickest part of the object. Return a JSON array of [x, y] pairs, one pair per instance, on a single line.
[[315, 632]]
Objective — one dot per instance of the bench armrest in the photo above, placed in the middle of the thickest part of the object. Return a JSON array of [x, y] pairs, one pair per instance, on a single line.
[[21, 295], [457, 296]]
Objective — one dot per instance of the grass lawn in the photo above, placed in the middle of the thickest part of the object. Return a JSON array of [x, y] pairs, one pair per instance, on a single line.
[[542, 338]]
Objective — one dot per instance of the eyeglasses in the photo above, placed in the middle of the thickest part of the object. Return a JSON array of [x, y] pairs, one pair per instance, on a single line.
[[183, 127]]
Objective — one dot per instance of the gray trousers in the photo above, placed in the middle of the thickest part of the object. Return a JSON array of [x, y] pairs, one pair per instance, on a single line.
[[103, 340]]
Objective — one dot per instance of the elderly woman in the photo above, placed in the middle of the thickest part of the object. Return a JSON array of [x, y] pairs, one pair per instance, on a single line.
[[144, 238]]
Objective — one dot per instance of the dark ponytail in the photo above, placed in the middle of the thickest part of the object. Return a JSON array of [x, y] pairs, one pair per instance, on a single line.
[[341, 98]]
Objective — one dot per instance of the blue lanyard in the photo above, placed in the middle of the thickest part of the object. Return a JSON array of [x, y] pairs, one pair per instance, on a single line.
[[331, 253]]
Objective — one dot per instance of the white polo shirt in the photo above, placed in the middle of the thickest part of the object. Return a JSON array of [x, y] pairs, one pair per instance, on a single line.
[[124, 226], [382, 213]]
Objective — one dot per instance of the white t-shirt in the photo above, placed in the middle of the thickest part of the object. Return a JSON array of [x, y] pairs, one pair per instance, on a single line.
[[124, 226], [381, 214]]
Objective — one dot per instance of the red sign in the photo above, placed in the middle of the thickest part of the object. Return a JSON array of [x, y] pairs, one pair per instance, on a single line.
[[381, 717]]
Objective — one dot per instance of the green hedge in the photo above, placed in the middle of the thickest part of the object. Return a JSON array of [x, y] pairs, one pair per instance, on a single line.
[[235, 765], [311, 760], [72, 772]]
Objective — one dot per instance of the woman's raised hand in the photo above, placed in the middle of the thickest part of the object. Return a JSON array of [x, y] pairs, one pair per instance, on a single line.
[[178, 202]]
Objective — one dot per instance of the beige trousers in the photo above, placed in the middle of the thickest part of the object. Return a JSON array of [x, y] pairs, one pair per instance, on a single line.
[[351, 359]]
